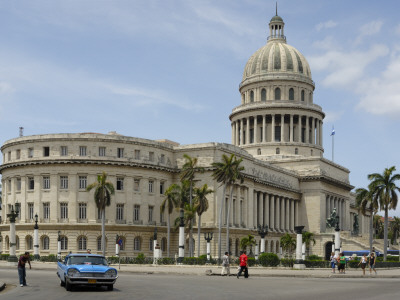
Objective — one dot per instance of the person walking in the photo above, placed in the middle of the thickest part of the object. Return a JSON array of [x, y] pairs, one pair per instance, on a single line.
[[243, 265], [363, 262], [225, 265], [23, 259], [371, 262], [342, 263], [333, 262]]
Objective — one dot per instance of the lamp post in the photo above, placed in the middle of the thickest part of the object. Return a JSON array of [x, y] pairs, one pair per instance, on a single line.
[[59, 245], [12, 216], [262, 231], [181, 252], [36, 239], [208, 237], [1, 243], [299, 263], [337, 237]]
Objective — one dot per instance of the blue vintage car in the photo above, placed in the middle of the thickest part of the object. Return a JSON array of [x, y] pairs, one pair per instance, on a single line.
[[86, 269]]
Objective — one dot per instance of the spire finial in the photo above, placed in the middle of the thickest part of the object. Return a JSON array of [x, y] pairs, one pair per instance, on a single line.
[[276, 8]]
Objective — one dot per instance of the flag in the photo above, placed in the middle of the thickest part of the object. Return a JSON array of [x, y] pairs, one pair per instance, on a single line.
[[333, 131]]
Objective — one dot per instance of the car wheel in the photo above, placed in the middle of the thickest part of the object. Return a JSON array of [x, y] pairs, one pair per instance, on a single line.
[[110, 287], [62, 283], [68, 286]]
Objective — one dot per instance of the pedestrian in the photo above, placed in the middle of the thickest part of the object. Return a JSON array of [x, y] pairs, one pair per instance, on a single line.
[[342, 264], [363, 262], [333, 262], [23, 259], [243, 265], [371, 262], [225, 265], [89, 251]]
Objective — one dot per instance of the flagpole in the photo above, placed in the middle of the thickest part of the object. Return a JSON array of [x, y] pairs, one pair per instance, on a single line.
[[333, 147]]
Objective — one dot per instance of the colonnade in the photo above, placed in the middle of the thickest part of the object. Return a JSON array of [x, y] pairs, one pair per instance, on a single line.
[[277, 128], [341, 209]]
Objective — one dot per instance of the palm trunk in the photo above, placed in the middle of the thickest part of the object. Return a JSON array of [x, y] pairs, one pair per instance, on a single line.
[[227, 219], [198, 237], [220, 223], [103, 231], [385, 233], [168, 234], [371, 231], [190, 225]]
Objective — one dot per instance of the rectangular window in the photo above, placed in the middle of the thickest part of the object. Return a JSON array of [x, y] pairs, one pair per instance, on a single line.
[[18, 187], [102, 151], [120, 184], [9, 185], [151, 156], [46, 151], [120, 212], [162, 158], [151, 208], [30, 152], [46, 210], [151, 186], [63, 182], [9, 155], [18, 154], [31, 214], [82, 211], [31, 183], [64, 151], [277, 133], [136, 185], [64, 210], [136, 213], [46, 182], [137, 154], [120, 152], [82, 182], [162, 187], [82, 150], [161, 217]]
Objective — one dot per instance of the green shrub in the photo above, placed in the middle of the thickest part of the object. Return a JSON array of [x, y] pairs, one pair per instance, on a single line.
[[251, 261], [268, 259], [49, 258], [314, 257], [317, 264], [287, 262], [4, 256]]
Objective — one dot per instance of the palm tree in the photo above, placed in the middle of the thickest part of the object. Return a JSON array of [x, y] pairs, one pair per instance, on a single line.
[[288, 243], [102, 196], [384, 188], [395, 229], [200, 198], [366, 202], [222, 174], [188, 172], [169, 203], [248, 241], [378, 226], [308, 238]]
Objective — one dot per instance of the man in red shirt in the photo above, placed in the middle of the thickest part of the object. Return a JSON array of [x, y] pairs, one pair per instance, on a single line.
[[21, 268], [243, 265]]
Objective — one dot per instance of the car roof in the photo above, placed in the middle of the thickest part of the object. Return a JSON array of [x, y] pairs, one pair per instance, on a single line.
[[85, 254]]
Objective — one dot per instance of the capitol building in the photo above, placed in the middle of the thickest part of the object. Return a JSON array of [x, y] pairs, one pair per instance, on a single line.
[[277, 129]]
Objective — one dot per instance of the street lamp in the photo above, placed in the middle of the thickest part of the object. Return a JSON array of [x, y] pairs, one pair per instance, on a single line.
[[262, 231], [181, 252], [337, 237], [36, 239], [208, 237], [59, 245], [12, 216], [299, 263]]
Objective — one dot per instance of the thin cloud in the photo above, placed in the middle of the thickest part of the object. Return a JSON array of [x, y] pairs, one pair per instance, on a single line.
[[326, 25], [369, 29]]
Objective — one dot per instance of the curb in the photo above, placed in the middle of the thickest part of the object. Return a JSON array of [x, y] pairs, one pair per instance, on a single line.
[[2, 286]]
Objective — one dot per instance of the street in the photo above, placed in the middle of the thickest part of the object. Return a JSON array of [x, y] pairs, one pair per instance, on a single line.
[[44, 284]]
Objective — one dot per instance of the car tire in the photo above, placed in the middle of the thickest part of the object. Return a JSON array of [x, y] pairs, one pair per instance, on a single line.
[[68, 286], [62, 283], [110, 287]]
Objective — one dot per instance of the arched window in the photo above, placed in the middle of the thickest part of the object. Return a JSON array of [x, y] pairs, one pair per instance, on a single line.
[[164, 244], [296, 151], [277, 94], [151, 244], [291, 94], [16, 243], [272, 247], [29, 242], [45, 242], [251, 96], [312, 153], [277, 247], [258, 151], [64, 243], [278, 151], [310, 98], [263, 95], [7, 241], [302, 95], [136, 244], [243, 99], [82, 243], [237, 243]]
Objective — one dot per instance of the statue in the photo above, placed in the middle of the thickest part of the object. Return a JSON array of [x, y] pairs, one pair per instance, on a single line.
[[331, 221], [355, 225]]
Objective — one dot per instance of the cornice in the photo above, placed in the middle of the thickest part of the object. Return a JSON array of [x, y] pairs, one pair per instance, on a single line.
[[329, 180]]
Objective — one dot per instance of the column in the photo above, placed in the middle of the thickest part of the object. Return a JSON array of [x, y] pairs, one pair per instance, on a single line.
[[299, 129], [273, 128], [237, 132], [247, 131], [241, 132], [233, 133], [282, 128], [287, 217], [266, 209], [255, 129], [307, 137], [283, 217], [278, 215], [291, 128], [261, 208], [318, 125], [292, 215], [312, 131], [272, 212], [296, 214], [321, 133], [263, 131]]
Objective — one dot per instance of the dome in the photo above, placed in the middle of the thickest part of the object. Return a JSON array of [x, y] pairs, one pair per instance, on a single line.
[[276, 19]]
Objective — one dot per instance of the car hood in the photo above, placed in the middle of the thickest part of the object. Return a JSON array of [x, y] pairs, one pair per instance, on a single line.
[[91, 268]]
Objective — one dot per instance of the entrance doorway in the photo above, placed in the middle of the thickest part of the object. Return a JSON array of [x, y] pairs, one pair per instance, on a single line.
[[328, 250]]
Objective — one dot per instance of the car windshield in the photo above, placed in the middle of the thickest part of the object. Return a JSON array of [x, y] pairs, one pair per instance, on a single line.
[[86, 260]]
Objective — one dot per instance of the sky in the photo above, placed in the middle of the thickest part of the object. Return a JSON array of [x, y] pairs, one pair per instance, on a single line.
[[167, 69]]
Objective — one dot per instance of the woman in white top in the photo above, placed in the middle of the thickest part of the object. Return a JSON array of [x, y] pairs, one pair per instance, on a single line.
[[363, 263], [333, 262]]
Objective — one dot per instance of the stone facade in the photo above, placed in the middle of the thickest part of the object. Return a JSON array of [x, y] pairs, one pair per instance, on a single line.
[[276, 130]]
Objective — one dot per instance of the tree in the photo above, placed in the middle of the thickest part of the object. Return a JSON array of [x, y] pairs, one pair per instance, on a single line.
[[383, 187], [378, 227], [200, 198], [188, 172], [288, 243], [224, 174], [102, 197], [170, 202], [395, 229], [308, 238], [365, 202], [248, 241]]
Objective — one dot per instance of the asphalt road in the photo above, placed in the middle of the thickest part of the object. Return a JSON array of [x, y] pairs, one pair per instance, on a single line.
[[44, 285]]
